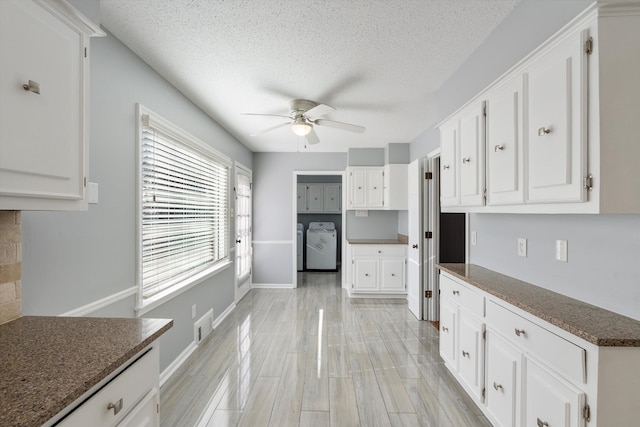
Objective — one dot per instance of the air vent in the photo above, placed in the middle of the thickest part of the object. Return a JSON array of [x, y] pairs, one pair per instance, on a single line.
[[203, 327]]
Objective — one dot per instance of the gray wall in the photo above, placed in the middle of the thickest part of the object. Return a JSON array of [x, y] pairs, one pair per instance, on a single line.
[[602, 268], [71, 259], [273, 210]]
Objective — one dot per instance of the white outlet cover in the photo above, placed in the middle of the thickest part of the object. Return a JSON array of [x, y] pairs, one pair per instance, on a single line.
[[561, 250], [522, 247]]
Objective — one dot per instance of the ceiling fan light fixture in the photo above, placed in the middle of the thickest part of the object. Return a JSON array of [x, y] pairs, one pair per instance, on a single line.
[[300, 127]]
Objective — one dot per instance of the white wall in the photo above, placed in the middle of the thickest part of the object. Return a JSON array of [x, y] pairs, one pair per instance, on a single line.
[[71, 259], [603, 249]]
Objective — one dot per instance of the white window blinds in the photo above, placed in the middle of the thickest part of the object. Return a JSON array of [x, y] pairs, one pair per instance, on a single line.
[[184, 208]]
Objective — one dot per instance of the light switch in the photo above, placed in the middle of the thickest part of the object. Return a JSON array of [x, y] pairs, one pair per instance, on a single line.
[[92, 193], [522, 247], [561, 250]]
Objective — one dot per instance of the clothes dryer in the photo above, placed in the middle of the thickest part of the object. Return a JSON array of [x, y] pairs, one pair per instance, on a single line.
[[321, 246]]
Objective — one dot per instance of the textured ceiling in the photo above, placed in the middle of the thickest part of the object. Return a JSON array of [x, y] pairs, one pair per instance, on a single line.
[[377, 62]]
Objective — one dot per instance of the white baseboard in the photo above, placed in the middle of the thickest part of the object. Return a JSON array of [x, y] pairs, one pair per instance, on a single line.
[[101, 303], [363, 295], [223, 316], [272, 285], [177, 362]]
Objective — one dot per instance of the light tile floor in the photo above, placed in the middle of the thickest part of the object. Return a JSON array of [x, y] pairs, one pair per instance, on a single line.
[[314, 357]]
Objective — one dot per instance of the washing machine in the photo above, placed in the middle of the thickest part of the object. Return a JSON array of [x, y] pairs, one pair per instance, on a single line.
[[300, 246], [321, 246]]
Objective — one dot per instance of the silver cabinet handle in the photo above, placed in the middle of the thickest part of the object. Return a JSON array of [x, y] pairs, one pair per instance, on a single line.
[[445, 167], [379, 252], [393, 275], [465, 353], [520, 332], [542, 423], [466, 160], [366, 274], [117, 407], [498, 148], [32, 86], [497, 386], [543, 131], [456, 292]]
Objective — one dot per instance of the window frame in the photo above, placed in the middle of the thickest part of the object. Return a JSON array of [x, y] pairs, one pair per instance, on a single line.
[[146, 304]]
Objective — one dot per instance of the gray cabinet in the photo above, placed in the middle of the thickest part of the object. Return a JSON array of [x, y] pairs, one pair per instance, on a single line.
[[319, 198]]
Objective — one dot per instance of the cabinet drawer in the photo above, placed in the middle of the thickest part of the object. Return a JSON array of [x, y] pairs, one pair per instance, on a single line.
[[378, 250], [131, 385], [567, 358], [462, 295]]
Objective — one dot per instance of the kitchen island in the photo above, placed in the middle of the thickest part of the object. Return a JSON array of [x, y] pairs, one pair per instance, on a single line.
[[50, 365]]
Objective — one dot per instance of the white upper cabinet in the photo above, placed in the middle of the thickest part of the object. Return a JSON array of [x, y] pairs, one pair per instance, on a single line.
[[471, 161], [44, 80], [560, 126], [332, 198], [557, 140], [366, 187], [505, 145], [315, 197], [449, 195]]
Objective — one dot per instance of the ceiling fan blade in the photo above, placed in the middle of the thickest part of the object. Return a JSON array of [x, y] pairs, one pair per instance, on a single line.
[[339, 125], [319, 110], [312, 137], [270, 129], [269, 115]]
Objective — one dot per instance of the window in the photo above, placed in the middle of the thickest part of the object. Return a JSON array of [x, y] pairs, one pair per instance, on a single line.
[[183, 209]]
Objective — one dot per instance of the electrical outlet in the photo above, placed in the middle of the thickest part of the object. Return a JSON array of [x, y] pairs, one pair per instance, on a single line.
[[474, 238], [522, 247], [561, 250], [193, 311]]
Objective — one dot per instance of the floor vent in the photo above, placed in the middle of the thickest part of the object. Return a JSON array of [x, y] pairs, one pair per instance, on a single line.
[[203, 326]]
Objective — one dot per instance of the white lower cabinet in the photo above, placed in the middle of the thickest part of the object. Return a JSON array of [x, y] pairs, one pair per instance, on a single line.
[[377, 269], [504, 365], [129, 399], [523, 371]]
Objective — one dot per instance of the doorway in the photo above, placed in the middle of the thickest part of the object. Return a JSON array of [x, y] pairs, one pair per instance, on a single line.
[[244, 252], [447, 243], [318, 197]]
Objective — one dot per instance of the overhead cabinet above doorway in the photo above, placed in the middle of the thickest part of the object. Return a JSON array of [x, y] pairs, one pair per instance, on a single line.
[[319, 198], [558, 132]]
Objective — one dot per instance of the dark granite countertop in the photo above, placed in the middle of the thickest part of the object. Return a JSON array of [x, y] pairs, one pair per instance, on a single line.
[[400, 240], [46, 363], [593, 324]]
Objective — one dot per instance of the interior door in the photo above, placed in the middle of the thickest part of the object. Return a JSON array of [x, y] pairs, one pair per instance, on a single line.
[[244, 251], [414, 255], [431, 222]]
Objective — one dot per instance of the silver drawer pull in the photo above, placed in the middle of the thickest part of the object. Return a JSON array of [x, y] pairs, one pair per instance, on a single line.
[[456, 292], [520, 332], [542, 423], [393, 275], [32, 86], [498, 148], [497, 386], [466, 160], [544, 131], [117, 407]]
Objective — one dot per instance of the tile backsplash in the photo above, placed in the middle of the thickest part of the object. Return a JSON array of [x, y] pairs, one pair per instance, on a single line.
[[10, 265]]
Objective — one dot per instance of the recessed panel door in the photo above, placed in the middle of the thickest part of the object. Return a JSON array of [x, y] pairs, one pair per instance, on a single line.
[[332, 198], [472, 157], [503, 380], [365, 274], [375, 188], [448, 164], [471, 353], [315, 197]]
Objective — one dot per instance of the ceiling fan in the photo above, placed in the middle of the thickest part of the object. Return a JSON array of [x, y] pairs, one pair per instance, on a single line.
[[303, 115]]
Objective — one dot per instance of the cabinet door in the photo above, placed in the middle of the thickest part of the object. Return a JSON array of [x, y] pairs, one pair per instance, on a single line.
[[375, 188], [357, 188], [42, 154], [549, 401], [365, 274], [145, 414], [556, 154], [302, 198], [505, 144], [472, 157], [332, 197], [471, 352], [448, 164], [392, 274], [448, 322], [315, 197], [503, 381]]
